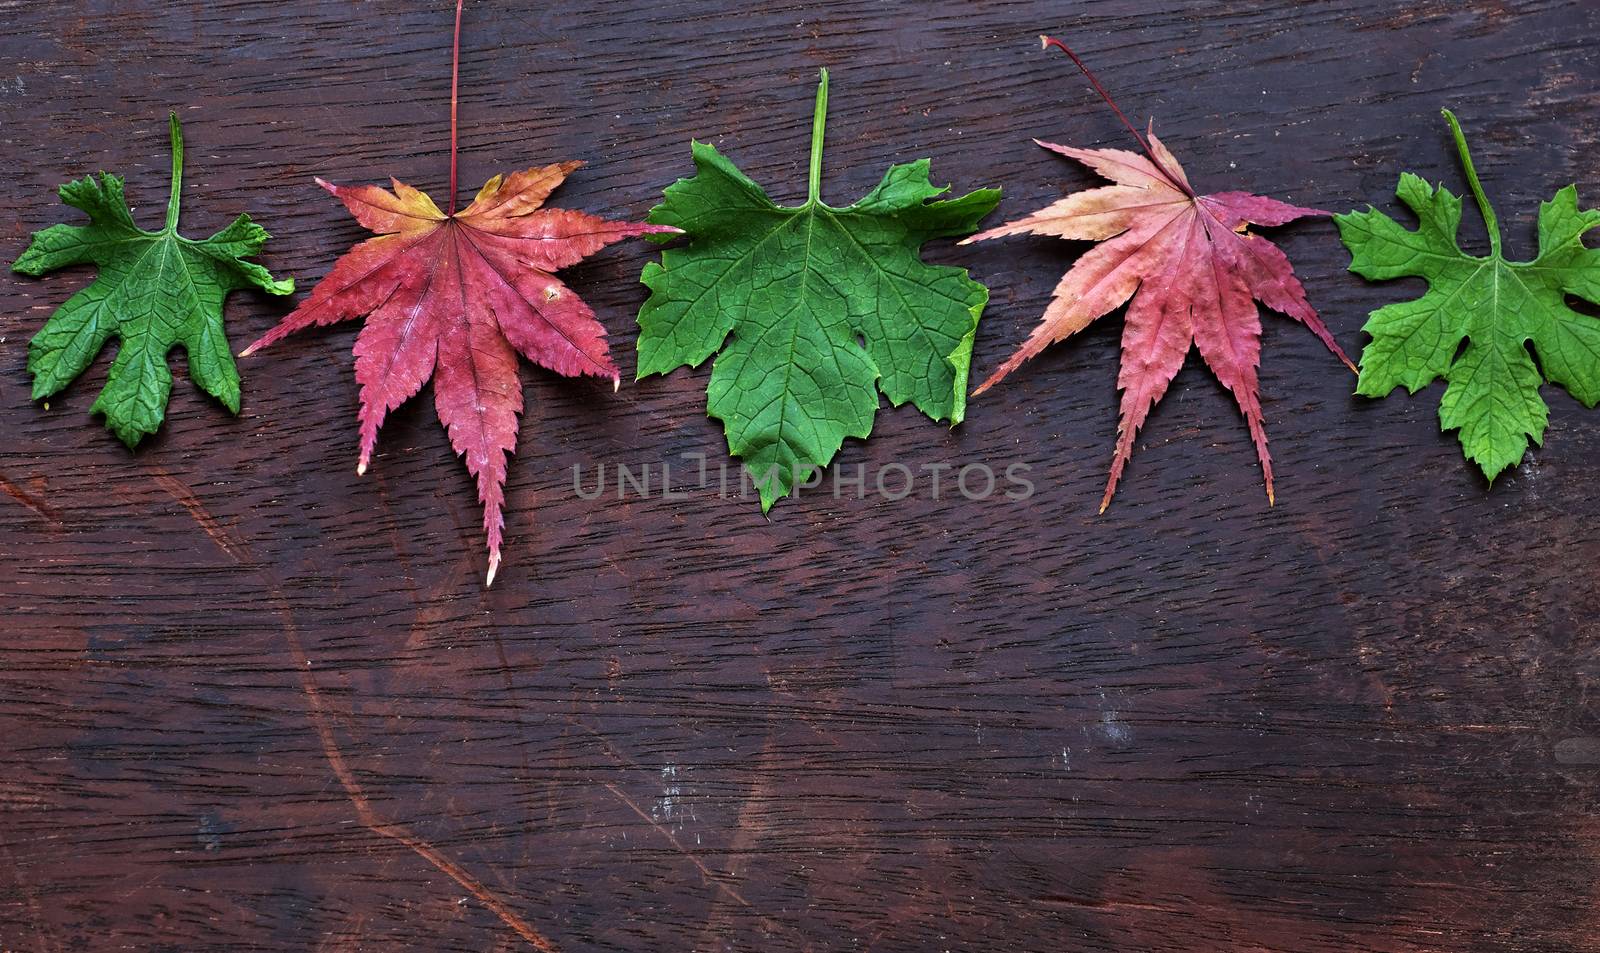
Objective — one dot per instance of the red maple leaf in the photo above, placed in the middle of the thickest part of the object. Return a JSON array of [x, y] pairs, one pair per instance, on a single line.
[[1192, 271], [456, 297]]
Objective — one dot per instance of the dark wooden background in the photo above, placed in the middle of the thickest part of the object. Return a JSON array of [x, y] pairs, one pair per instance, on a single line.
[[249, 701]]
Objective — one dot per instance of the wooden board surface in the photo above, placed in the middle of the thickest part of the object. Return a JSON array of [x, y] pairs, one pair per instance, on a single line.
[[250, 701]]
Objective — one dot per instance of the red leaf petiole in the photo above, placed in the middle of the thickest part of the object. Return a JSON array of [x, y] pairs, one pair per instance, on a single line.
[[1046, 42]]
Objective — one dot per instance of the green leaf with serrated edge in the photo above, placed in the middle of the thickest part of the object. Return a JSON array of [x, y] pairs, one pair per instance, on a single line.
[[811, 310], [154, 291], [1497, 307]]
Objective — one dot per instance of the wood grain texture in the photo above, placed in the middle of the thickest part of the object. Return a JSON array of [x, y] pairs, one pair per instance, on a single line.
[[252, 702]]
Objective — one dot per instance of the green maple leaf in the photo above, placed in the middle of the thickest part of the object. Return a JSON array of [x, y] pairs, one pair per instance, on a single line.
[[154, 291], [1496, 306], [812, 310]]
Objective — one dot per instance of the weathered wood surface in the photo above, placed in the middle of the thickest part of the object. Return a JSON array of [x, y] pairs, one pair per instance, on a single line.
[[252, 702]]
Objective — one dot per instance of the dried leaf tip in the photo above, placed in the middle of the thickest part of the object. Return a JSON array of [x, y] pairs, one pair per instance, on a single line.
[[494, 567], [361, 468]]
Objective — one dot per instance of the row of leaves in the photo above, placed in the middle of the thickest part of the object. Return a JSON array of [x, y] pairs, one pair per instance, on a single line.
[[813, 310]]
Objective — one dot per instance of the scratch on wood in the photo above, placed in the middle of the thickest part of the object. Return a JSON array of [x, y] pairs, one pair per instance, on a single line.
[[29, 500], [330, 746], [711, 876], [394, 831], [748, 828], [1058, 900], [180, 491]]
